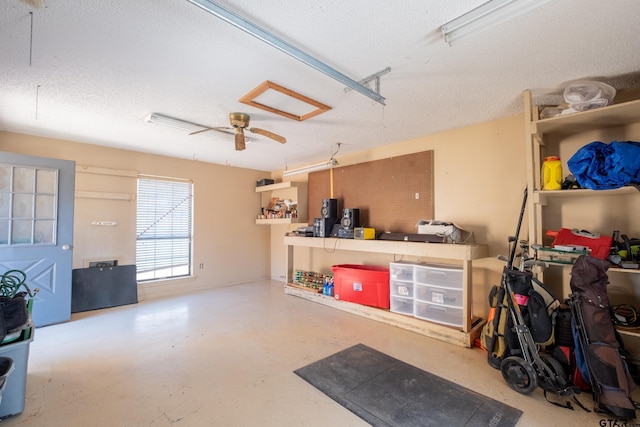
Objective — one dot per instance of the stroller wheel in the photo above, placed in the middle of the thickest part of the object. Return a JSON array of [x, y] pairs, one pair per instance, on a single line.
[[556, 383], [519, 374]]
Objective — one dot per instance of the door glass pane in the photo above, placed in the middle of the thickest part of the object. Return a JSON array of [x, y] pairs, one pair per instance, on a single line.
[[28, 205], [4, 205], [21, 231], [22, 206], [45, 206], [46, 181], [4, 231], [5, 177], [44, 232], [23, 180]]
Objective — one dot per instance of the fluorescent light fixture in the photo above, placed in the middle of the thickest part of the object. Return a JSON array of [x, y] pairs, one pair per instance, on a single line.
[[312, 168], [486, 16], [160, 119]]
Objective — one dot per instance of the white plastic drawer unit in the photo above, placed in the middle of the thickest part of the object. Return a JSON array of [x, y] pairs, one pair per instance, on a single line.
[[401, 289], [438, 313], [446, 276], [401, 271], [402, 305], [436, 295]]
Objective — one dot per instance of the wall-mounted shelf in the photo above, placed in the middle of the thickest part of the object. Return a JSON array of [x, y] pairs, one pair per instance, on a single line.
[[296, 191]]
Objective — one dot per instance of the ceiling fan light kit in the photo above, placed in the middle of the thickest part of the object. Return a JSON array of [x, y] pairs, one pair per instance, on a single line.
[[486, 16]]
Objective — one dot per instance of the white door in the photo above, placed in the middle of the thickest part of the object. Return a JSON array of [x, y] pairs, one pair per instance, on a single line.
[[36, 229]]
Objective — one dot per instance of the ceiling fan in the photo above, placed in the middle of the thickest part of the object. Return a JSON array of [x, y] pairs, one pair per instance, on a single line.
[[240, 122]]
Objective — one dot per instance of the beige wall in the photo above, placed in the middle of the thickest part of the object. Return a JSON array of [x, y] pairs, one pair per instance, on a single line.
[[479, 180], [228, 247]]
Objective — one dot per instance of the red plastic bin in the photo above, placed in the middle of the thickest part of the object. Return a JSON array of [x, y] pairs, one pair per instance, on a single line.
[[362, 284]]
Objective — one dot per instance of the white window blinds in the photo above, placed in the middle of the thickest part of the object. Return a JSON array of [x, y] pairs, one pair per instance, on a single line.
[[163, 229]]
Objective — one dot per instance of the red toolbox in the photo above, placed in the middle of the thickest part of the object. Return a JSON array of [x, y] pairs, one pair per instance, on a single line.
[[597, 244], [362, 284]]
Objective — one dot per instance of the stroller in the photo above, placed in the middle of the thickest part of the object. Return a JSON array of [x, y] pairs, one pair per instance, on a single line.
[[523, 366]]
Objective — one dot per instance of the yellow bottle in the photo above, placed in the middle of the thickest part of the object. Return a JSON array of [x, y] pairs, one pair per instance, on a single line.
[[552, 173]]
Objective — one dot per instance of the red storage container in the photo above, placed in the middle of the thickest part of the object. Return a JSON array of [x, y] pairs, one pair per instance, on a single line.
[[362, 284]]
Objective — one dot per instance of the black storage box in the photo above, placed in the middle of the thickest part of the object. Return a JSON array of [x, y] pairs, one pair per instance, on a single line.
[[264, 181], [101, 287]]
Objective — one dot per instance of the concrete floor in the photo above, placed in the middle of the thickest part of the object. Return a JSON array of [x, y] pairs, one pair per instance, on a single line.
[[226, 357]]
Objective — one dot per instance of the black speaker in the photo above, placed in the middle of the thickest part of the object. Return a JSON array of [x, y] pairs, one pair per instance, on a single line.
[[350, 218], [329, 208]]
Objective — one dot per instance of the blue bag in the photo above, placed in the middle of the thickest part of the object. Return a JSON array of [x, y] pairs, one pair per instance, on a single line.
[[600, 166]]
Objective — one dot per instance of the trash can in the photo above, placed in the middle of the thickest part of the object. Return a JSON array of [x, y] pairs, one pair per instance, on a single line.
[[6, 368], [15, 383]]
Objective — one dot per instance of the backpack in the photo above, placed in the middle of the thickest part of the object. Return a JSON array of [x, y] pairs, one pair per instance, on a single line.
[[598, 348]]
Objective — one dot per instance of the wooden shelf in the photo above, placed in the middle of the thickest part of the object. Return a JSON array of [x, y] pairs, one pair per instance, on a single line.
[[276, 186], [459, 254], [541, 196], [276, 221], [422, 327], [598, 118], [296, 191]]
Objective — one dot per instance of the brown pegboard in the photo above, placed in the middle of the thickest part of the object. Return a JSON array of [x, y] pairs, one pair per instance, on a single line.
[[384, 191]]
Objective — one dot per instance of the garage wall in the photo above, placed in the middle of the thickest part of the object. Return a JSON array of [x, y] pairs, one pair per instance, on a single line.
[[228, 247], [479, 180]]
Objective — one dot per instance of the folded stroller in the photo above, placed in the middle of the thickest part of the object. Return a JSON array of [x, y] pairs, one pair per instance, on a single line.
[[520, 322]]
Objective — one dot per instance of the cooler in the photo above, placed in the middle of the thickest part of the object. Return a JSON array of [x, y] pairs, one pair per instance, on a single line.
[[362, 284]]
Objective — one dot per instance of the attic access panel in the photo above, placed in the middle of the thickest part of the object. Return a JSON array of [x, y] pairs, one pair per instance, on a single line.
[[283, 99]]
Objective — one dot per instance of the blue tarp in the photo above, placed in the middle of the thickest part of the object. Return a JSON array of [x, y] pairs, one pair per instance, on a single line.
[[601, 166]]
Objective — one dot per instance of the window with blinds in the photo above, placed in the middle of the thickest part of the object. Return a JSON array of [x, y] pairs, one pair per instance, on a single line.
[[163, 229]]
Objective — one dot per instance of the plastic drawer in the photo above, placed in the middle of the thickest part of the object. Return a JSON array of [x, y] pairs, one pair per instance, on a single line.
[[436, 295], [401, 289], [438, 313], [401, 271], [402, 305], [448, 276]]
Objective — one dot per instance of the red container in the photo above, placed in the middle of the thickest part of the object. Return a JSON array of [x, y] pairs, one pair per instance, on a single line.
[[362, 284], [599, 245]]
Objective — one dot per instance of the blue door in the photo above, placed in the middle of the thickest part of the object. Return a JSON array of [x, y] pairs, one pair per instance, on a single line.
[[36, 229]]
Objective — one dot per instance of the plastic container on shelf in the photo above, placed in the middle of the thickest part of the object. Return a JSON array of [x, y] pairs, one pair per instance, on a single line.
[[552, 173], [362, 284]]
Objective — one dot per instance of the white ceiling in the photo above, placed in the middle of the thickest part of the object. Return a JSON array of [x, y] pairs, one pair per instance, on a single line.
[[92, 70]]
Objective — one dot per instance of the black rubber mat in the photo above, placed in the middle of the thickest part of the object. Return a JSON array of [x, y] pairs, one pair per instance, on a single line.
[[388, 392]]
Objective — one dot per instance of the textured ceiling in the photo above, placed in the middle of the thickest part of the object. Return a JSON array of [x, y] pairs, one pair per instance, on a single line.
[[91, 71]]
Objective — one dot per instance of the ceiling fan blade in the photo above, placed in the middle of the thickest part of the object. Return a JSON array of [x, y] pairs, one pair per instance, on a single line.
[[219, 129], [280, 139], [240, 139]]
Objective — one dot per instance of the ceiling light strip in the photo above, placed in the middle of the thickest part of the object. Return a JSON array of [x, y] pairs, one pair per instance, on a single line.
[[312, 168], [486, 16], [238, 21], [160, 119]]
